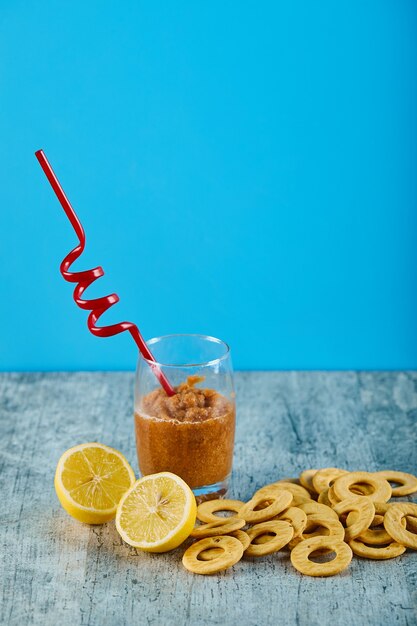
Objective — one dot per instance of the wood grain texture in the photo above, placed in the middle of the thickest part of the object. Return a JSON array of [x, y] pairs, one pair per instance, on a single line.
[[54, 570]]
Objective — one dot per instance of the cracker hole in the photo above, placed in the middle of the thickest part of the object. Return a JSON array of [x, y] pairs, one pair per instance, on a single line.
[[322, 556], [395, 483], [322, 532], [263, 538], [312, 528], [209, 554], [362, 489], [224, 513], [262, 505]]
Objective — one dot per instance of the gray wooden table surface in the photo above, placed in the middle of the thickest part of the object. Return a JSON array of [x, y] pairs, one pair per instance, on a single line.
[[54, 570]]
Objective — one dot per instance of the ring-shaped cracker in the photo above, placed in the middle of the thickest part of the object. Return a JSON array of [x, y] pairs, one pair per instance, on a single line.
[[365, 509], [323, 478], [299, 494], [301, 552], [279, 533], [276, 501], [333, 499], [306, 480], [411, 523], [314, 508], [221, 527], [323, 498], [333, 527], [389, 551], [206, 511], [381, 487], [294, 488], [407, 482], [382, 507], [373, 536], [296, 517], [394, 525], [232, 552], [211, 553], [243, 538]]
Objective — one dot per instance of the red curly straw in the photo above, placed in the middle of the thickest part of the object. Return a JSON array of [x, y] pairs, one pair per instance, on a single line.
[[98, 306]]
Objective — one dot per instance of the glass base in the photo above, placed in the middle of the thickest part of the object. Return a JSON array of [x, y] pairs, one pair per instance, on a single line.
[[212, 492]]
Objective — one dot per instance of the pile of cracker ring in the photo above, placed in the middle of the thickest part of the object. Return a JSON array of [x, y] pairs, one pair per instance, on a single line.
[[328, 512]]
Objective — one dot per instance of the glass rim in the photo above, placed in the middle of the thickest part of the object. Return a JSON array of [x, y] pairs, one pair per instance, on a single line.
[[220, 342]]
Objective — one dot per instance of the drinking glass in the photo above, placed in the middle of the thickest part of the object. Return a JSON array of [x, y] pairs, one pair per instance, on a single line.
[[192, 433]]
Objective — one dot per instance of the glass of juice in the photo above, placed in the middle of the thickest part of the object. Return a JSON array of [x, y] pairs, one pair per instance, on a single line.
[[191, 433]]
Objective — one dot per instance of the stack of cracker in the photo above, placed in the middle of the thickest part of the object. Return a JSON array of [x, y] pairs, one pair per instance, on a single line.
[[326, 515]]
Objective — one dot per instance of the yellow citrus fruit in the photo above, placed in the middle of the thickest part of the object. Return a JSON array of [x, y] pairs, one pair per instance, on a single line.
[[90, 479], [157, 514]]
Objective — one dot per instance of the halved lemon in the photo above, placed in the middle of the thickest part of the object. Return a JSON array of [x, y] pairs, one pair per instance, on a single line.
[[157, 514], [89, 481]]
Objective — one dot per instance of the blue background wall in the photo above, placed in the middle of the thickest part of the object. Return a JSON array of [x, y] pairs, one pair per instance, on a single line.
[[243, 169]]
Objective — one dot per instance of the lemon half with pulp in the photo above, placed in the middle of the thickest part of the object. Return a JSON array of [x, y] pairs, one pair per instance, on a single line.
[[90, 479], [157, 513]]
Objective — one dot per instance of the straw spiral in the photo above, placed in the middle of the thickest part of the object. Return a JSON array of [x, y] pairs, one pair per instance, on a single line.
[[96, 306]]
